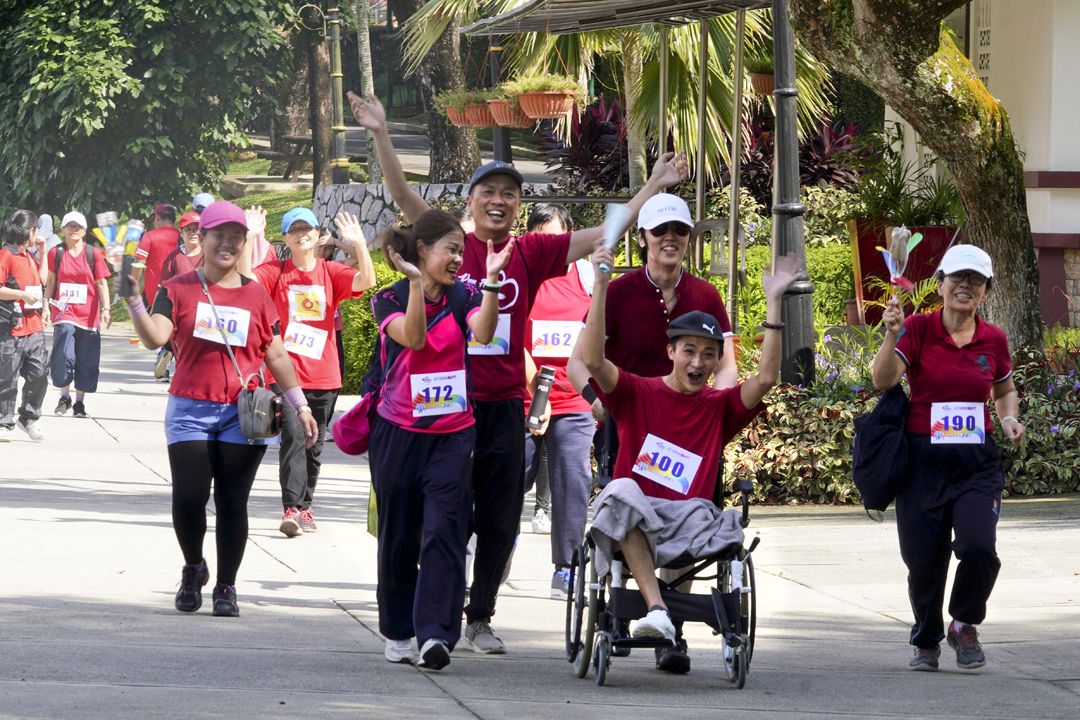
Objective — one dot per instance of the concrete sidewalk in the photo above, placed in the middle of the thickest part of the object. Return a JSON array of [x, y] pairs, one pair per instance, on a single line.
[[88, 629]]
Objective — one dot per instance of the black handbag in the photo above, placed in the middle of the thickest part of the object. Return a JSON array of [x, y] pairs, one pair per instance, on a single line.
[[879, 455], [260, 409]]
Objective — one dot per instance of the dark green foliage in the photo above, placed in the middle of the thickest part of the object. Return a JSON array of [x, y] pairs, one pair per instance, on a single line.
[[857, 104], [118, 104]]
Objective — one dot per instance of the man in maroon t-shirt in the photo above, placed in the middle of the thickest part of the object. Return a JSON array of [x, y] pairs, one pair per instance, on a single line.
[[494, 199], [672, 431], [155, 247]]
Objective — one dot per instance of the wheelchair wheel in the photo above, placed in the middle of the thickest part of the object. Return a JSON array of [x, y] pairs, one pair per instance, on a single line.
[[581, 608], [748, 605], [739, 666], [603, 658]]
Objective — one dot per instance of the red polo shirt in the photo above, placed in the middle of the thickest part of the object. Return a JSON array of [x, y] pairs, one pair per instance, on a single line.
[[155, 246], [637, 319], [650, 417], [25, 270], [939, 371], [498, 369]]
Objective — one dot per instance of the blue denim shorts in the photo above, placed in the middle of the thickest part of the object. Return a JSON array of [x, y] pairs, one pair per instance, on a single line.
[[188, 419]]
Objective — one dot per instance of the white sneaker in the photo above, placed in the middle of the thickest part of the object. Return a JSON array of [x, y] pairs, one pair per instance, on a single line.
[[31, 428], [541, 523], [435, 655], [400, 651], [480, 638], [5, 434], [560, 584], [161, 367], [657, 624]]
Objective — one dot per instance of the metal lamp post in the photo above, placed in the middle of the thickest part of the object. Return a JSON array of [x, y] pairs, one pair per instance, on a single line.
[[788, 233], [339, 165]]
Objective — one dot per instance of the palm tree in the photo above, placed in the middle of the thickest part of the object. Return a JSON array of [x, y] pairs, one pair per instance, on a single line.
[[637, 50]]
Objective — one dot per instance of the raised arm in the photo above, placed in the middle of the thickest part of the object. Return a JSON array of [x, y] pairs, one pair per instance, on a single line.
[[371, 115], [483, 323], [594, 336], [785, 271], [409, 331], [670, 169], [888, 368], [351, 232]]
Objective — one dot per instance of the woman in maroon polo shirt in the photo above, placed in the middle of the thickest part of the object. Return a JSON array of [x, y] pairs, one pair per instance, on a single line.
[[954, 362]]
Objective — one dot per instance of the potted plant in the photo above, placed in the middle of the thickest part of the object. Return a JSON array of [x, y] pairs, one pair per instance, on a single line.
[[507, 111], [477, 111], [452, 104], [544, 96], [761, 74]]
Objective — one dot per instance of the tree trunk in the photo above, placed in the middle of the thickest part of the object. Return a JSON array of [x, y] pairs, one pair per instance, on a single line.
[[633, 63], [454, 150], [321, 112], [367, 81], [291, 95], [901, 50]]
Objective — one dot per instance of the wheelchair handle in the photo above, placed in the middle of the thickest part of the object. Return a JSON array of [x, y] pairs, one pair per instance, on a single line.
[[745, 487]]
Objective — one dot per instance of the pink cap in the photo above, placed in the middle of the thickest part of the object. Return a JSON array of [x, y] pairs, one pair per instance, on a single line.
[[221, 212]]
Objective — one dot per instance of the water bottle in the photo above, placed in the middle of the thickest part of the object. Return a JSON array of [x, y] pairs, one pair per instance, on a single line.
[[540, 397]]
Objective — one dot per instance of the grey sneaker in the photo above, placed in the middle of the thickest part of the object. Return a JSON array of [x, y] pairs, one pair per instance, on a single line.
[[435, 655], [31, 428], [560, 584], [965, 641], [925, 659], [63, 405], [400, 651], [479, 637], [161, 367]]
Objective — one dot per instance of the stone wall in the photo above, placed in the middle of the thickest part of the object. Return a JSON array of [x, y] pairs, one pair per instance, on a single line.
[[1072, 285], [372, 204]]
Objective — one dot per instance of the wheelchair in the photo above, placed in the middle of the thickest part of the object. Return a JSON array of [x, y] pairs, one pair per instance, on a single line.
[[599, 610]]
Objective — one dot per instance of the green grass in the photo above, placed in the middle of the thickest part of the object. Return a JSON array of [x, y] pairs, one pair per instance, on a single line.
[[276, 205], [253, 166]]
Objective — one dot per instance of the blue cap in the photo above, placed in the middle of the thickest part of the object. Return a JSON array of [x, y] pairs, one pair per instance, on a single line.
[[300, 213], [495, 167], [202, 201]]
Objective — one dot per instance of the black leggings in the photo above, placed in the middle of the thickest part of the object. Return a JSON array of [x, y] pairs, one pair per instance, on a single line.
[[231, 468]]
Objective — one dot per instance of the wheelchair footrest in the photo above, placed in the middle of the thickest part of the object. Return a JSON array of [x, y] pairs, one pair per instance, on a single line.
[[631, 642], [630, 605]]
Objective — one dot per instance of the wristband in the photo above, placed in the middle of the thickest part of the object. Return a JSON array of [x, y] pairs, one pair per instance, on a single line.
[[589, 394], [295, 396], [490, 287], [136, 308], [772, 326], [1008, 419]]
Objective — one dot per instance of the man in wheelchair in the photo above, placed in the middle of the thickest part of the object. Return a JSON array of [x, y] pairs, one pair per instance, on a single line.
[[672, 431]]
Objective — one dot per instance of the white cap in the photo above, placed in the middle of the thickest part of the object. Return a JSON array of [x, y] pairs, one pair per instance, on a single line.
[[662, 208], [74, 216], [966, 257]]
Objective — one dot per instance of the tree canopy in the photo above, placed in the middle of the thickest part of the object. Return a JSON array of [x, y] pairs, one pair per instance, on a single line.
[[119, 104]]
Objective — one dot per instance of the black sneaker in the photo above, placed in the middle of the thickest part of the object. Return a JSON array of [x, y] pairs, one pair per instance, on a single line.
[[64, 405], [969, 653], [78, 409], [434, 655], [225, 601], [925, 658], [192, 579], [673, 659]]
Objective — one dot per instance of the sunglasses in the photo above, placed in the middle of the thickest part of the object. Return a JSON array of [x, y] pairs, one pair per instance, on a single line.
[[680, 229], [974, 279]]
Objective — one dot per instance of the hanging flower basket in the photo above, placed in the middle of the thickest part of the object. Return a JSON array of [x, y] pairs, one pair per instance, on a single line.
[[546, 105], [479, 115], [456, 117], [508, 113], [763, 83]]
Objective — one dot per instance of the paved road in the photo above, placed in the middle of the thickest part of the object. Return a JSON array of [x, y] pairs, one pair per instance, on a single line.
[[88, 630]]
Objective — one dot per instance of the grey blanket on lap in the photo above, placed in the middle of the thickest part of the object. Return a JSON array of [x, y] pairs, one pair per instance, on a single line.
[[672, 527]]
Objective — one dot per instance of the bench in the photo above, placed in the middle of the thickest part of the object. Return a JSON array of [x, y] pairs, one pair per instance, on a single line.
[[293, 161]]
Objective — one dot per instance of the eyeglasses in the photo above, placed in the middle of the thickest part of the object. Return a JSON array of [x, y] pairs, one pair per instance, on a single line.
[[680, 229], [973, 278]]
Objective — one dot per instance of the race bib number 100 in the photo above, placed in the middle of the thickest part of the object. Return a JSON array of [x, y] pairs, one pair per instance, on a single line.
[[667, 464], [234, 321], [957, 423]]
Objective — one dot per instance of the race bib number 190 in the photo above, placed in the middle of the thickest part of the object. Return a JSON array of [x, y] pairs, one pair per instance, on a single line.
[[957, 423], [667, 464]]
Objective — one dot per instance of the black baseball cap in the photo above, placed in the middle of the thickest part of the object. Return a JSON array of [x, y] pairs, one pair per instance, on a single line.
[[697, 324], [496, 167]]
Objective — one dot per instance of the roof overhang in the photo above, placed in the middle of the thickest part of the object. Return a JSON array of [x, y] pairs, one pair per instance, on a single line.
[[573, 16]]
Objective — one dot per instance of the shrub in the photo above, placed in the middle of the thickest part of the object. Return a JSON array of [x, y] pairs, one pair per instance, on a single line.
[[360, 331], [543, 83], [595, 155]]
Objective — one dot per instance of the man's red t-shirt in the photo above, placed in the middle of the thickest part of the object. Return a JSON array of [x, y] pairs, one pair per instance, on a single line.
[[636, 319], [305, 303], [551, 332], [178, 263], [672, 444], [499, 367], [203, 368], [155, 246], [76, 291], [24, 269], [939, 371]]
